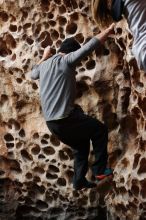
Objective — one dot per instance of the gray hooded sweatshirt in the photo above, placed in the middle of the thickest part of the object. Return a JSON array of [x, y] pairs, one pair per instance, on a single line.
[[135, 13], [58, 82]]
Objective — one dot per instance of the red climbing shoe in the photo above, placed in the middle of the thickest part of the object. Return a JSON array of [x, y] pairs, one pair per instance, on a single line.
[[108, 172]]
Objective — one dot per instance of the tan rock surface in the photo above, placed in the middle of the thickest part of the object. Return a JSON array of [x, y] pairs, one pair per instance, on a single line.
[[35, 168]]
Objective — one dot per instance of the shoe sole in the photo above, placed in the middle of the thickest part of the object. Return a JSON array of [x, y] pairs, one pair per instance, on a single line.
[[102, 177]]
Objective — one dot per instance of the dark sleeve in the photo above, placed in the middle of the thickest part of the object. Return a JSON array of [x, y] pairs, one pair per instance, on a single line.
[[117, 9], [35, 72], [75, 57]]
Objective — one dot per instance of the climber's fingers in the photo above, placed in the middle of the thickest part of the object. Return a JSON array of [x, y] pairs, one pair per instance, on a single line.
[[111, 28], [47, 52]]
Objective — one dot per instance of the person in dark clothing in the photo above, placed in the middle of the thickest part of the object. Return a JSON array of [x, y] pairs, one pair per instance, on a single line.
[[66, 120], [134, 11]]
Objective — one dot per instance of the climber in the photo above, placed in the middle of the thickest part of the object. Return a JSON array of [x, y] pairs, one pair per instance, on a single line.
[[106, 11], [65, 119]]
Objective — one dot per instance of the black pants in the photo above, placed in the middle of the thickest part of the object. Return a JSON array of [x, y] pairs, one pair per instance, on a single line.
[[76, 131]]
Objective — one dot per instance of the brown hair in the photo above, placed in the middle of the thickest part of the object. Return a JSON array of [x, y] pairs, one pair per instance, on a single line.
[[101, 13]]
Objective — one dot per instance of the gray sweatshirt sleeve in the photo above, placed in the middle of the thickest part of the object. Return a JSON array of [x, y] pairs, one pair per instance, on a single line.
[[35, 72], [75, 57]]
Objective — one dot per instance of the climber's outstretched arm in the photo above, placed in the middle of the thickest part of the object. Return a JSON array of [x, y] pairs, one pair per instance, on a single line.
[[94, 44], [104, 34]]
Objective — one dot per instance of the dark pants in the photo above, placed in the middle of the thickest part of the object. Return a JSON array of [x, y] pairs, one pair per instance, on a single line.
[[76, 131]]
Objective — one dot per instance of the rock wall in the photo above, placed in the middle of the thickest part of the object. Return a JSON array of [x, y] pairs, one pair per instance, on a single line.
[[35, 168]]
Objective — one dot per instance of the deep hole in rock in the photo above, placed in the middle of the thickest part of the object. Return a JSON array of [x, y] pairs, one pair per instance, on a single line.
[[61, 181], [24, 14], [51, 176], [26, 156], [34, 86], [142, 104], [34, 189], [10, 145], [87, 10], [102, 86], [74, 16], [79, 37], [52, 23], [46, 136], [13, 28], [22, 133], [19, 144], [62, 9], [54, 169], [82, 69], [35, 135], [41, 156], [119, 30], [142, 166], [26, 26], [50, 15], [54, 34], [47, 41], [69, 175], [128, 126], [125, 99], [19, 80], [58, 2], [37, 30], [142, 144], [36, 179], [4, 98], [14, 165], [58, 43], [67, 4], [4, 16], [62, 20], [136, 112], [134, 187], [81, 4], [81, 202], [63, 155], [53, 161], [55, 210], [14, 123], [10, 155], [69, 152], [2, 172], [71, 28], [20, 104], [45, 5], [143, 188], [10, 41], [8, 137], [29, 40], [125, 162], [54, 140], [49, 150], [29, 175], [44, 141], [90, 65], [82, 87], [41, 205], [36, 149], [39, 170]]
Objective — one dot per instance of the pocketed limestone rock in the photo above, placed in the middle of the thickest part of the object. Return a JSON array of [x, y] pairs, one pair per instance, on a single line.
[[36, 169]]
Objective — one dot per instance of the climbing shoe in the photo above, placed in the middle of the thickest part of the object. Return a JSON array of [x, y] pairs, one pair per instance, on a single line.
[[107, 172], [85, 185]]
